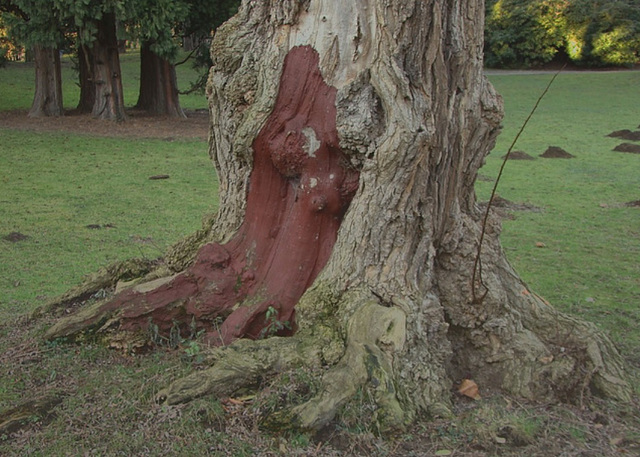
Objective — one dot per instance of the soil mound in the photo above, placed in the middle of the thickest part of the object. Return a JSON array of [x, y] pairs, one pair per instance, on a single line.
[[504, 208], [626, 134], [500, 202], [518, 155], [554, 152], [628, 147]]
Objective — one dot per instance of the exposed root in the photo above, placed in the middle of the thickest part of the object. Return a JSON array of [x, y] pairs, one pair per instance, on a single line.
[[602, 366], [242, 365], [39, 408], [375, 334], [105, 278]]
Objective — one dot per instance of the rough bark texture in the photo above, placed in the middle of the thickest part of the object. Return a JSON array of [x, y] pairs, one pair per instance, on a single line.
[[47, 100], [107, 78], [393, 309], [158, 85]]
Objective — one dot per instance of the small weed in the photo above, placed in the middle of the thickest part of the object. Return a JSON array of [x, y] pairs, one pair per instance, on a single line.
[[273, 324]]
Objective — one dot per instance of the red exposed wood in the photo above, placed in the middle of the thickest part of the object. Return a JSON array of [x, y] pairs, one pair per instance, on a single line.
[[300, 188]]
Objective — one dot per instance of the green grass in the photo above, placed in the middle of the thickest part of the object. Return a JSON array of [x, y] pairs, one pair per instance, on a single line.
[[55, 185], [590, 263]]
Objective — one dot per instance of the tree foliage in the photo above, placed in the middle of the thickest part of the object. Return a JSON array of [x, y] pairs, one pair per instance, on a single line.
[[589, 32], [33, 23]]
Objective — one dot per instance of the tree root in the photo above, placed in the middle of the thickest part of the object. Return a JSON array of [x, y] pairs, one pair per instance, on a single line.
[[375, 333], [39, 408], [240, 366], [105, 278], [602, 366]]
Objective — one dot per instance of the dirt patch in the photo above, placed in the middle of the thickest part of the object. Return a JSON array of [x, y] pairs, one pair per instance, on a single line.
[[138, 125], [628, 147], [626, 134], [633, 204], [499, 202], [518, 155], [504, 208], [555, 152], [15, 237]]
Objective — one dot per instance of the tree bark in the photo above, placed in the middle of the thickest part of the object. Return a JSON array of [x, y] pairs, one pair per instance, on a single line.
[[47, 100], [158, 85], [86, 80], [109, 101], [348, 136]]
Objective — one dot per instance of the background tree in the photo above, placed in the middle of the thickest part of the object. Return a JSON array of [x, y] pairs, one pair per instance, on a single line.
[[158, 24], [589, 32], [347, 137], [155, 21], [523, 32], [603, 32], [37, 27], [95, 24]]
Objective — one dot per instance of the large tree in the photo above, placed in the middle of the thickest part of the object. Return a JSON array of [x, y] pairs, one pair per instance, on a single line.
[[347, 137]]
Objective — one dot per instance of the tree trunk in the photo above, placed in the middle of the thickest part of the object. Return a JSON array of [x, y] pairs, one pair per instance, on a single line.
[[86, 80], [347, 137], [47, 100], [158, 85], [109, 101]]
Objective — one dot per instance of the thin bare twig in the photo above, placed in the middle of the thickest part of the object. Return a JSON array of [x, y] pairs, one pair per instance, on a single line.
[[477, 266]]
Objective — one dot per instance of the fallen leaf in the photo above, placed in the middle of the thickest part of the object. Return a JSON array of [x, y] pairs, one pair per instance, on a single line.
[[443, 452], [500, 440], [616, 441], [469, 389], [546, 360], [540, 244]]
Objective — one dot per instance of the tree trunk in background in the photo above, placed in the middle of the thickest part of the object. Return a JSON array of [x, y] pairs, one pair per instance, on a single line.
[[347, 137], [109, 101], [85, 76], [158, 85], [47, 100]]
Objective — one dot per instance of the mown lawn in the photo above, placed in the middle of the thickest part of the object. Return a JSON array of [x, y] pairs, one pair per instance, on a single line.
[[589, 263]]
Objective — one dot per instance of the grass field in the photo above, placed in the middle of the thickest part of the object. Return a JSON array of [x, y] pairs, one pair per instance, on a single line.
[[84, 202], [590, 263]]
